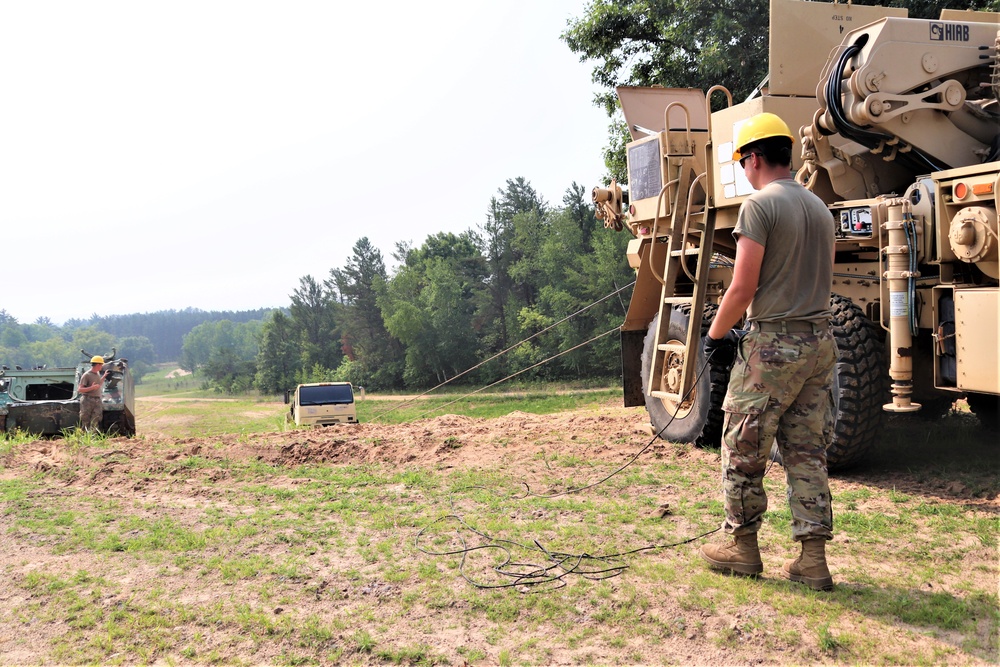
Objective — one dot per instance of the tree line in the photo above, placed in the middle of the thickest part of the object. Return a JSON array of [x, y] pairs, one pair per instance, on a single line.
[[142, 338], [43, 343], [166, 329], [448, 304]]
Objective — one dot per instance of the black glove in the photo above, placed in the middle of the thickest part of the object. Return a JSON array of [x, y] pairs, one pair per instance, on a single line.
[[721, 352]]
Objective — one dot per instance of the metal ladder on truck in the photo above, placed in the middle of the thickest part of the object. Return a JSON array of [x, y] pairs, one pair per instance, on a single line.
[[672, 375]]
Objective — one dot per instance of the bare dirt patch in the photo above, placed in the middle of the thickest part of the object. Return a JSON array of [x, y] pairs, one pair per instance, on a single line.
[[294, 582]]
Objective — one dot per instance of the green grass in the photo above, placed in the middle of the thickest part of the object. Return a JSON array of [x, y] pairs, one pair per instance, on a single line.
[[200, 418], [196, 412], [538, 398], [321, 563], [485, 405]]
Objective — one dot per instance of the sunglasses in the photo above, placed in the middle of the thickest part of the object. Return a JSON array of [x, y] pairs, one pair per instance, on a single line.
[[743, 160]]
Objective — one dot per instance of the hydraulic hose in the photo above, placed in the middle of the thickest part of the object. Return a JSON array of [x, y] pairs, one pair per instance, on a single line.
[[913, 159], [910, 228]]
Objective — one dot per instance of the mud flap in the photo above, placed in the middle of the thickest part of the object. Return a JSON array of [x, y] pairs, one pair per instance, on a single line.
[[632, 341]]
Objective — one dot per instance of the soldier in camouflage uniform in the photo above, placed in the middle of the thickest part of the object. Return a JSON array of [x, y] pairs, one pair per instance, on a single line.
[[91, 386], [780, 385]]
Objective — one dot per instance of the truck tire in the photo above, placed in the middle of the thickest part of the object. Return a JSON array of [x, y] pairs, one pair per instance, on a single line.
[[860, 386], [987, 408], [860, 382], [698, 420]]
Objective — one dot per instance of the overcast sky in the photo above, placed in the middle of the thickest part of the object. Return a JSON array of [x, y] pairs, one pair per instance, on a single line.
[[210, 154]]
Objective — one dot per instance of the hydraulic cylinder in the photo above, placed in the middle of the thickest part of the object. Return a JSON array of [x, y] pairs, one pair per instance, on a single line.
[[900, 251]]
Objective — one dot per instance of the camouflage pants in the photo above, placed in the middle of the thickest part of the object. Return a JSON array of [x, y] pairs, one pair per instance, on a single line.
[[779, 390], [90, 414]]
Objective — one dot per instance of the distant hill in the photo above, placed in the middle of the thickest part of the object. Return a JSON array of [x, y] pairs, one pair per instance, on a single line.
[[165, 329]]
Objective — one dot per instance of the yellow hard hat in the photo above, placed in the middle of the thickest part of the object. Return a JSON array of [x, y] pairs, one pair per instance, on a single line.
[[762, 126], [97, 360]]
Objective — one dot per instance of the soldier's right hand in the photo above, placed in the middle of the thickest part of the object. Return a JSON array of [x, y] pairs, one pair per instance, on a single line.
[[721, 352]]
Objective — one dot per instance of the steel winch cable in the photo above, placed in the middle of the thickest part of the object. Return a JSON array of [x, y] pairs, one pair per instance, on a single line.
[[515, 374], [509, 349]]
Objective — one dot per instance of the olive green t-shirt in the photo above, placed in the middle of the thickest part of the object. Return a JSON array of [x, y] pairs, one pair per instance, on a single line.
[[90, 378], [797, 232]]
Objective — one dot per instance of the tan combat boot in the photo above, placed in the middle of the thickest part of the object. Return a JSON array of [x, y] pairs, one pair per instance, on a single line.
[[741, 556], [810, 567]]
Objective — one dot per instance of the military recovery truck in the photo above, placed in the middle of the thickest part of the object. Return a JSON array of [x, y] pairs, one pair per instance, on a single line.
[[44, 401], [899, 132]]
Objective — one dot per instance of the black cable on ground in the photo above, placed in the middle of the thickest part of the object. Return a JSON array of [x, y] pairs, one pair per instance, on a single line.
[[551, 573], [553, 570]]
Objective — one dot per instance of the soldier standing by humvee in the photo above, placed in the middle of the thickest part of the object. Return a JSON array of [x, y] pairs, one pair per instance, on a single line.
[[91, 385], [780, 385]]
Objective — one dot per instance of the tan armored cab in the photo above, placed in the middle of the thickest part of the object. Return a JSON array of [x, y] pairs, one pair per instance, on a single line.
[[898, 124]]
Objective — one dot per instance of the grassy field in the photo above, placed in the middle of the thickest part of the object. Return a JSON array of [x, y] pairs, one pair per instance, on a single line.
[[194, 410], [228, 542]]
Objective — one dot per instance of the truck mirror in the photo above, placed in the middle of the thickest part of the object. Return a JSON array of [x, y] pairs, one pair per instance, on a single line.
[[361, 392], [286, 397]]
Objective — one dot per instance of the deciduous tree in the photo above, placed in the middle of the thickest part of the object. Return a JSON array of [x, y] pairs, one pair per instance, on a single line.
[[430, 306]]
